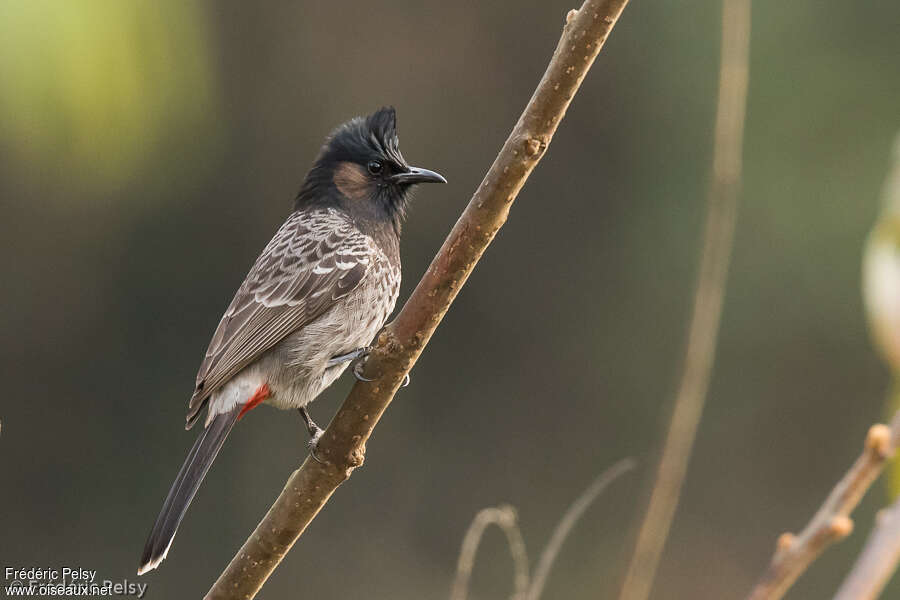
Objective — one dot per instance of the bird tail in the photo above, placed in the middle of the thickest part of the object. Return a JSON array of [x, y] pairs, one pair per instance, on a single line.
[[186, 484]]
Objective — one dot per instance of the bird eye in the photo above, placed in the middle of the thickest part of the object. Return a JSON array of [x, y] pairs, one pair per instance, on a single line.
[[375, 167]]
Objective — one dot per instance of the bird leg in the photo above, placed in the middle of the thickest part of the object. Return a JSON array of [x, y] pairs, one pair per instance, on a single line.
[[342, 358], [315, 433]]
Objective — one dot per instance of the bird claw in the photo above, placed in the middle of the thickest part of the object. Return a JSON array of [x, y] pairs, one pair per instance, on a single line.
[[313, 445], [357, 372]]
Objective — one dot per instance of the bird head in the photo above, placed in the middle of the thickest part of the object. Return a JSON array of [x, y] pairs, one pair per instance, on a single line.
[[360, 169]]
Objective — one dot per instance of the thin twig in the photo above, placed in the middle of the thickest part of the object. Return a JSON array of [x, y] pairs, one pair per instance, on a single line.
[[878, 560], [570, 518], [794, 554], [342, 447], [715, 257], [505, 518]]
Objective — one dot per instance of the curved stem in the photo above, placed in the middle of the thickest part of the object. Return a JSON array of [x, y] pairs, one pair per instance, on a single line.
[[505, 518], [570, 518]]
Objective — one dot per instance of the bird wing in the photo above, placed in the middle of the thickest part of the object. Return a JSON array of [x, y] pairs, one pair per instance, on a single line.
[[313, 260]]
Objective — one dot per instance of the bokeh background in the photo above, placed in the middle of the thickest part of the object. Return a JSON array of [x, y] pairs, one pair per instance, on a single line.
[[148, 150]]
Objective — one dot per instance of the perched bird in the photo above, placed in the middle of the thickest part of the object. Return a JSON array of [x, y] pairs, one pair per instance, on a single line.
[[316, 296]]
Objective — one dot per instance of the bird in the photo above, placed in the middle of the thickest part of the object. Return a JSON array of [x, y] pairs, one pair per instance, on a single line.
[[312, 302]]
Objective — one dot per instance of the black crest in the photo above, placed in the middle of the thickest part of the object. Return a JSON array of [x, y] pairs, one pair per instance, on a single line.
[[382, 124], [360, 138]]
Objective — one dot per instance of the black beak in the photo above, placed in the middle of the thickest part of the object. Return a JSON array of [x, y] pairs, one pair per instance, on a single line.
[[417, 175]]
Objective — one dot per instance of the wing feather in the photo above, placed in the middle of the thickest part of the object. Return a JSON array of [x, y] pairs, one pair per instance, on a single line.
[[312, 261]]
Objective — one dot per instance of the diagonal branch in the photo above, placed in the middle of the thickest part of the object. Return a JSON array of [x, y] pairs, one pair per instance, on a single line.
[[399, 345], [794, 553]]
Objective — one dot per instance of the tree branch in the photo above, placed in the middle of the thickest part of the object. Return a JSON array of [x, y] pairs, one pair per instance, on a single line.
[[721, 214], [401, 342], [878, 560], [505, 518], [794, 554]]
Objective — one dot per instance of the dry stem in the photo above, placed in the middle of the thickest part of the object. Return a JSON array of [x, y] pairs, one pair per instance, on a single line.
[[399, 345], [715, 257], [794, 554], [570, 518], [505, 518]]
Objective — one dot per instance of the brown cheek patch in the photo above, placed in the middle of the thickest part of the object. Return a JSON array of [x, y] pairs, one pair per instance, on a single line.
[[352, 181]]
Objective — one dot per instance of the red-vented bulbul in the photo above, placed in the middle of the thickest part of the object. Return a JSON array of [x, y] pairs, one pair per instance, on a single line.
[[316, 296]]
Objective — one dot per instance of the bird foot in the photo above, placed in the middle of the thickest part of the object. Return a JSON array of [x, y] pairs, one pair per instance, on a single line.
[[315, 434], [357, 372]]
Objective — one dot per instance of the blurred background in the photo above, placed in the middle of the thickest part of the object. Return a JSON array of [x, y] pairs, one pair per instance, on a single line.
[[134, 134]]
